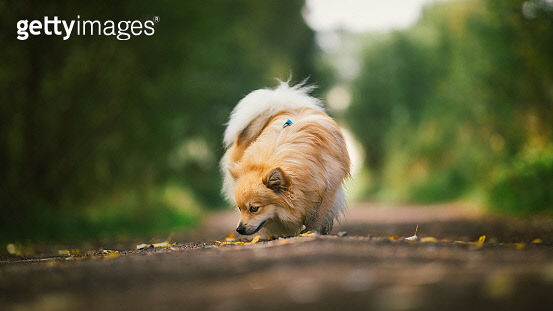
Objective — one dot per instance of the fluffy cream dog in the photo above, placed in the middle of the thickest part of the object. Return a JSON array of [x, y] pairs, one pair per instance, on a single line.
[[285, 163]]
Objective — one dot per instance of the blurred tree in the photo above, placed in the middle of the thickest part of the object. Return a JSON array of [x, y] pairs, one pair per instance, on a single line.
[[91, 117], [438, 107]]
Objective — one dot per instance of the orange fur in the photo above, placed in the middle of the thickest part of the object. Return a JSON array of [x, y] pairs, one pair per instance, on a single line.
[[293, 174]]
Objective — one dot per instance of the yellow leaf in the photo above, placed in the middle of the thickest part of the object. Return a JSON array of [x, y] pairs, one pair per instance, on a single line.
[[254, 240], [307, 233], [141, 246], [73, 251], [228, 243], [229, 237], [481, 239], [394, 237], [429, 239], [111, 255], [155, 245], [163, 244], [537, 241], [478, 243]]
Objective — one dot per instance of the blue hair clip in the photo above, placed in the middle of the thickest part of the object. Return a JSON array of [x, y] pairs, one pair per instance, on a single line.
[[287, 123]]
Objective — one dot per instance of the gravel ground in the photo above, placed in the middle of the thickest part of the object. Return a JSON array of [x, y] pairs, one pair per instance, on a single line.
[[372, 267]]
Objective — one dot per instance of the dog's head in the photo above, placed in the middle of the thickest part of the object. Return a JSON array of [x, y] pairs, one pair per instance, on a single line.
[[260, 194]]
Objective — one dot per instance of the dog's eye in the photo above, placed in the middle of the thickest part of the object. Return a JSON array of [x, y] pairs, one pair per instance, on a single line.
[[253, 208]]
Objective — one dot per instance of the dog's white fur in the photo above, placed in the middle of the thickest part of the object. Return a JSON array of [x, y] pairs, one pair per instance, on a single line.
[[263, 102], [268, 102]]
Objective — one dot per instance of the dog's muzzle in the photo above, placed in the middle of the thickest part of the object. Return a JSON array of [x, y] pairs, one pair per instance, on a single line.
[[243, 230]]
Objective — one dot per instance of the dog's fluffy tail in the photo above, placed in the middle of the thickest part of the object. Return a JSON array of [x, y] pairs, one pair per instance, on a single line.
[[261, 105]]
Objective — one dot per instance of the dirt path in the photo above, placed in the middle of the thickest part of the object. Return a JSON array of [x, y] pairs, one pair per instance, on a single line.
[[366, 269]]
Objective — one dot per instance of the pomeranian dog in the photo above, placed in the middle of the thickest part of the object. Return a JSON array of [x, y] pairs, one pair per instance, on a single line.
[[284, 164]]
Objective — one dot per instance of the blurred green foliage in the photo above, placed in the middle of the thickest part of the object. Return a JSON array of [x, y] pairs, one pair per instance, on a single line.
[[441, 106], [93, 125], [524, 185]]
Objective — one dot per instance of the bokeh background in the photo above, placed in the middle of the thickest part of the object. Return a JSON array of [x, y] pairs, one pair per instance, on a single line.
[[440, 101]]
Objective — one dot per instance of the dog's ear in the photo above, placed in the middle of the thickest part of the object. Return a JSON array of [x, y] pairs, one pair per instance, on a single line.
[[276, 180]]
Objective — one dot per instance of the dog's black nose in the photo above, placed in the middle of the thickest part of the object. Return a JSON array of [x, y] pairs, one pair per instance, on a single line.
[[241, 229]]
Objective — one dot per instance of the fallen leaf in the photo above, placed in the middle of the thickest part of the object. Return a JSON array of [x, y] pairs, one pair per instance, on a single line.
[[481, 240], [254, 240], [110, 254], [69, 252], [228, 243], [394, 237], [163, 244], [478, 243], [414, 237], [142, 246], [155, 245], [429, 239], [229, 237], [307, 233], [537, 241]]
